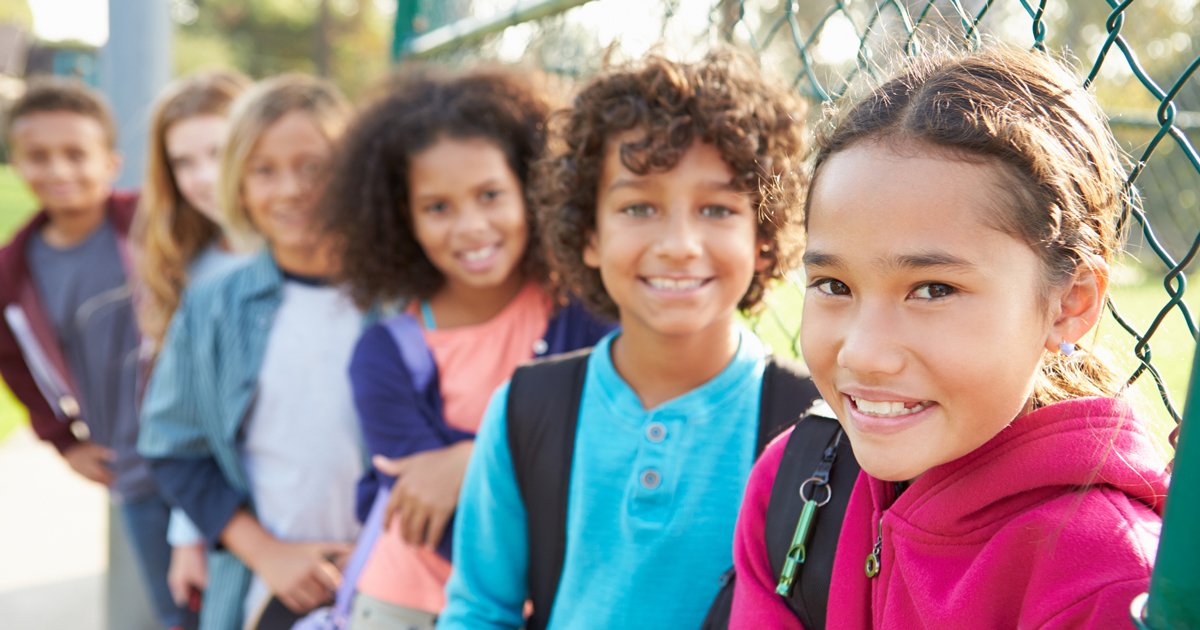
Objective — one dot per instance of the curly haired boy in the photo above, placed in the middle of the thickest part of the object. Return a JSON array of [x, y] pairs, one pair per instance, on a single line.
[[671, 203]]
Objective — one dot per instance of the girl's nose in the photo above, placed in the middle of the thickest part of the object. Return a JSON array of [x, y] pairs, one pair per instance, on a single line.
[[870, 343], [207, 172], [470, 219], [291, 183]]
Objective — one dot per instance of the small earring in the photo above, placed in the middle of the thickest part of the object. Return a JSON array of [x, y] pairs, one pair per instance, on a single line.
[[1066, 348]]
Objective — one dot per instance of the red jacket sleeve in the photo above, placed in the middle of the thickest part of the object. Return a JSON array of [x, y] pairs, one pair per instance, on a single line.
[[16, 375]]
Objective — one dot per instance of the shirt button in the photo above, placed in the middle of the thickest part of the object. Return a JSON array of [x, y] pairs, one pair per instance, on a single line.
[[651, 479], [264, 322], [540, 347], [656, 432]]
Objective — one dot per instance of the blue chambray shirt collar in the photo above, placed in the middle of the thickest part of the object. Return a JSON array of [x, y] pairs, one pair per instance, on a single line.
[[749, 360], [264, 275]]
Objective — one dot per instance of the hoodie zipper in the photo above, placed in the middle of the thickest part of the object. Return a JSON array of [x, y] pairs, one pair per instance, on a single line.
[[875, 558], [873, 563]]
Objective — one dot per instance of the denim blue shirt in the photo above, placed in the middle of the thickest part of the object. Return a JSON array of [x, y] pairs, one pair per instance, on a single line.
[[654, 496], [200, 392]]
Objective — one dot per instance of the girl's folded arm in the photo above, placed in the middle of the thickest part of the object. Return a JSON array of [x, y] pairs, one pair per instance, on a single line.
[[197, 485], [487, 588], [388, 408]]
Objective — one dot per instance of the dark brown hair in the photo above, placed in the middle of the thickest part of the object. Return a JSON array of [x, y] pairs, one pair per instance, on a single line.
[[57, 94], [367, 202], [723, 100], [1062, 170]]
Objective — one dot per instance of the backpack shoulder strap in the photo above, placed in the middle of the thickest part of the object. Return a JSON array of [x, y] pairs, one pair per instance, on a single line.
[[542, 415], [801, 456], [787, 391], [415, 353]]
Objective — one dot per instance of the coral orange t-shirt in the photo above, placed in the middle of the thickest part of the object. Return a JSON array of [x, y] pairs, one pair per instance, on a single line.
[[472, 361]]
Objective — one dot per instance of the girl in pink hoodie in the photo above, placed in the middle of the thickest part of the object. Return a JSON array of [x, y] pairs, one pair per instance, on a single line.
[[961, 223]]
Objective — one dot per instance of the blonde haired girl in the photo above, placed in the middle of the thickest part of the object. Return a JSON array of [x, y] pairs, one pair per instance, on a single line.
[[270, 484], [179, 230]]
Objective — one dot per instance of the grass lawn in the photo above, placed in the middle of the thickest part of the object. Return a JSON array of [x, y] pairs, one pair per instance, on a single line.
[[16, 205]]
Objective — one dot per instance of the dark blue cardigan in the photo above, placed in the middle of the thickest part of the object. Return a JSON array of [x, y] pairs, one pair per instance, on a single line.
[[398, 421]]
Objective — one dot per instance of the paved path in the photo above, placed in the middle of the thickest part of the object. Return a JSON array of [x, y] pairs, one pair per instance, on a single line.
[[53, 540]]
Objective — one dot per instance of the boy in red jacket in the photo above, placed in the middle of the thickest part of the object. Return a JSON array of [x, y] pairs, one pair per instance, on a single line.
[[68, 337]]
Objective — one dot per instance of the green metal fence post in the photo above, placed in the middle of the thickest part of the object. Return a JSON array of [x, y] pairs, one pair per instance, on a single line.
[[406, 13], [1174, 598]]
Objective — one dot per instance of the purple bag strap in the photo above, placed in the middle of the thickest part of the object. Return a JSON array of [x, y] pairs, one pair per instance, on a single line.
[[406, 332], [371, 530]]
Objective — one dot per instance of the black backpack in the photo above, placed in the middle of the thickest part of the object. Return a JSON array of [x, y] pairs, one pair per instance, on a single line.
[[816, 446], [542, 415]]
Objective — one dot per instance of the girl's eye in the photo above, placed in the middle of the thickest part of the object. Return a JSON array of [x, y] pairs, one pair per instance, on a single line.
[[489, 195], [638, 210], [932, 291], [261, 171], [829, 286], [715, 212], [436, 208], [311, 167]]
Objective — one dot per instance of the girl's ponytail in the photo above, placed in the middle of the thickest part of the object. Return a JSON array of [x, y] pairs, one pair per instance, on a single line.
[[1082, 374]]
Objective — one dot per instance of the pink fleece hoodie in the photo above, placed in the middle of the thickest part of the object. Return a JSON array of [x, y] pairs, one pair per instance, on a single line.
[[1053, 523]]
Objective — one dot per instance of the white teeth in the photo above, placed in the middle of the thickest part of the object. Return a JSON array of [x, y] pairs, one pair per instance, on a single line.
[[671, 284], [479, 254], [885, 409]]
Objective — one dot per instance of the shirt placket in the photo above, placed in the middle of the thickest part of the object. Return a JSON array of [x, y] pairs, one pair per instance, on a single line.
[[655, 466]]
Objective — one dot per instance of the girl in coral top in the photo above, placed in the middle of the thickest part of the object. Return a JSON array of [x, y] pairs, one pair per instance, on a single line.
[[961, 224], [429, 201]]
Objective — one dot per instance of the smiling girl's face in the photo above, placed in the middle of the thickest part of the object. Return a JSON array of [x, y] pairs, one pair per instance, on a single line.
[[468, 212], [193, 148], [924, 325], [284, 177]]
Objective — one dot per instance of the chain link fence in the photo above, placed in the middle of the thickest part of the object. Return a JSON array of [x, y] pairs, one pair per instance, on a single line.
[[1141, 58]]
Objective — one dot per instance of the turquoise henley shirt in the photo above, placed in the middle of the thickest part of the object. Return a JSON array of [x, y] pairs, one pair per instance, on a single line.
[[654, 496]]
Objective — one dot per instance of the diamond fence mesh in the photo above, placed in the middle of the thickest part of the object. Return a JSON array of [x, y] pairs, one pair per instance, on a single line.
[[1140, 57]]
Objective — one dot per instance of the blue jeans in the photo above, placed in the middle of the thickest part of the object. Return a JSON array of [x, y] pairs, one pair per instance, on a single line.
[[146, 519]]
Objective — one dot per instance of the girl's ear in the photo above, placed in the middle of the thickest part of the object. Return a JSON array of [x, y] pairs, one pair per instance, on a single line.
[[1080, 305], [591, 251]]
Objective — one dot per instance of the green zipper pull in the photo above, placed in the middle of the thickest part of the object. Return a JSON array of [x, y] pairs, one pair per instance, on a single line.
[[873, 563], [797, 552]]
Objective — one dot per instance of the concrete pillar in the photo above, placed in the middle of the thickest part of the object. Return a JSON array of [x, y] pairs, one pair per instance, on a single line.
[[135, 65]]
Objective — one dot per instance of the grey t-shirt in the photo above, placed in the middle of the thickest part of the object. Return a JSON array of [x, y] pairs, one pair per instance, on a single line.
[[87, 297]]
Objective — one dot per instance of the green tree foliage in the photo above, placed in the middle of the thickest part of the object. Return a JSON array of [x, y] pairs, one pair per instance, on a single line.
[[346, 40]]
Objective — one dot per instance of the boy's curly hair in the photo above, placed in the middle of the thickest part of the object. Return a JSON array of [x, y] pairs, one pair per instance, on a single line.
[[367, 202], [723, 100]]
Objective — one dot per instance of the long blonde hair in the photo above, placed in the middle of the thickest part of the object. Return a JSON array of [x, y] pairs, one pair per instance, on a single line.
[[259, 108], [168, 231]]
